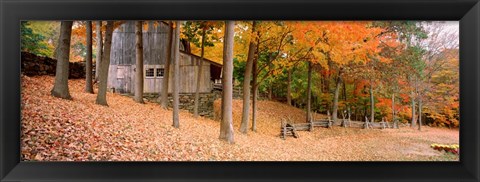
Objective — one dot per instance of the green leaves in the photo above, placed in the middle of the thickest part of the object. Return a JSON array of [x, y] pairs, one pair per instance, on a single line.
[[193, 31], [33, 42]]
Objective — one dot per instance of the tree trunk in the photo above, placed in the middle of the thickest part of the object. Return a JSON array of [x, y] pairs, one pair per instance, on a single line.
[[420, 114], [60, 87], [309, 92], [176, 75], [199, 75], [328, 76], [254, 105], [105, 63], [372, 104], [223, 98], [413, 111], [335, 97], [168, 60], [57, 48], [344, 91], [289, 85], [255, 88], [227, 133], [88, 61], [246, 83], [412, 96], [98, 30], [395, 123], [139, 62]]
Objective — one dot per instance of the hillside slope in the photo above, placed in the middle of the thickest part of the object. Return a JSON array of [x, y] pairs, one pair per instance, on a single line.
[[63, 130]]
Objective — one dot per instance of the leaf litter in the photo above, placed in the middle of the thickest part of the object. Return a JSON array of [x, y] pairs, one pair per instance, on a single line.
[[55, 129]]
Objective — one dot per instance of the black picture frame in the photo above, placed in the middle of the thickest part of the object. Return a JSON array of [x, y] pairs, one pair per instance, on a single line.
[[12, 12]]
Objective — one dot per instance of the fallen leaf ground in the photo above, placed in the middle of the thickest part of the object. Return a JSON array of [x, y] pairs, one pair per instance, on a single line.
[[79, 130]]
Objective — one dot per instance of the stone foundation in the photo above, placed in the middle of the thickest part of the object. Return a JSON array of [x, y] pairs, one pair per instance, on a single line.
[[187, 102]]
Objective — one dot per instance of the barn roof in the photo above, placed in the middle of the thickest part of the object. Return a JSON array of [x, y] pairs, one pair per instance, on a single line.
[[205, 59]]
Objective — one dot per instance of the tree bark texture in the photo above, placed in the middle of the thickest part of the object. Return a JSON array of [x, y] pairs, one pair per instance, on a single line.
[[335, 97], [199, 75], [88, 61], [255, 89], [98, 30], [309, 92], [372, 104], [420, 114], [168, 61], [139, 62], [227, 124], [60, 87], [176, 75], [105, 63], [246, 83]]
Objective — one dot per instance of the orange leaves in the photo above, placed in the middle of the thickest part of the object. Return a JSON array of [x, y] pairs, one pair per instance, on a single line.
[[384, 102], [341, 42], [360, 88]]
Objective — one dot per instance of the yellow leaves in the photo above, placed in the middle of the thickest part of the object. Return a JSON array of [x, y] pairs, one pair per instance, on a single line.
[[214, 53], [320, 58], [276, 72], [385, 59]]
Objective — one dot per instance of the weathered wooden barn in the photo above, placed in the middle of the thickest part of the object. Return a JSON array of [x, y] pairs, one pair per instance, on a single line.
[[122, 68]]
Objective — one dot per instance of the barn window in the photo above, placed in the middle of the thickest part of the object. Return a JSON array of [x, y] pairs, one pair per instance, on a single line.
[[149, 73], [160, 72]]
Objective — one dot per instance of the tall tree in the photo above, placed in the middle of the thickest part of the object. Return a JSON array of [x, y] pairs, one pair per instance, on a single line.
[[199, 74], [60, 88], [438, 41], [176, 74], [409, 33], [309, 92], [336, 44], [289, 86], [269, 47], [98, 31], [372, 104], [413, 98], [338, 84], [139, 63], [255, 89], [246, 81], [200, 33], [168, 60], [420, 113], [403, 32], [226, 128], [105, 63], [88, 62]]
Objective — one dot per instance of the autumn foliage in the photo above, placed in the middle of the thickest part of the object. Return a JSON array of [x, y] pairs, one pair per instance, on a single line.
[[401, 72]]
